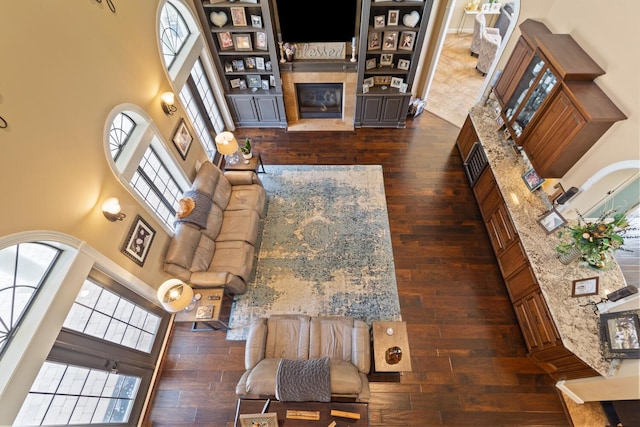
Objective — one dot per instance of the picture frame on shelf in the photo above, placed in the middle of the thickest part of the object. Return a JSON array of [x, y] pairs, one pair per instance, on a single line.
[[182, 139], [403, 88], [390, 40], [256, 21], [243, 84], [242, 42], [228, 67], [619, 333], [552, 220], [249, 63], [396, 82], [265, 84], [270, 419], [365, 88], [374, 41], [225, 40], [369, 81], [138, 242], [238, 16], [260, 63], [379, 21], [272, 80], [403, 64], [407, 39], [261, 40], [393, 17], [267, 66], [370, 64], [386, 59], [585, 287], [238, 65], [381, 80], [253, 80], [235, 83], [532, 180]]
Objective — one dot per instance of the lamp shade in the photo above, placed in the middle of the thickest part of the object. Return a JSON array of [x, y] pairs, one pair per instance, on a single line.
[[175, 295], [226, 143]]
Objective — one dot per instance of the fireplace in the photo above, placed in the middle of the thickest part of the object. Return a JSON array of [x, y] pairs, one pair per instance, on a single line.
[[319, 100]]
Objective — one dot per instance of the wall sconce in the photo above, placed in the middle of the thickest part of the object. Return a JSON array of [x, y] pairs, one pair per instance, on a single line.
[[227, 145], [175, 295], [111, 210], [167, 101]]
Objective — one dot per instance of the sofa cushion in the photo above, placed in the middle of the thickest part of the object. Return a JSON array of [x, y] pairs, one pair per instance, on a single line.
[[235, 257], [239, 226], [262, 379], [345, 378], [331, 336], [183, 245], [245, 197], [203, 254], [222, 194], [214, 222], [206, 179], [288, 336]]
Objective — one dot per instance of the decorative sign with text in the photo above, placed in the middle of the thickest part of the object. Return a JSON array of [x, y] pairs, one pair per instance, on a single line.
[[321, 50]]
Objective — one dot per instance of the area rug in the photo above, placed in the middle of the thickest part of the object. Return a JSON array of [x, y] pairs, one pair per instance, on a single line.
[[325, 248]]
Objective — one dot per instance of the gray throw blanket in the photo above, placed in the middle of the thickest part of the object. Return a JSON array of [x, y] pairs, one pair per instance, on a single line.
[[303, 380], [201, 210]]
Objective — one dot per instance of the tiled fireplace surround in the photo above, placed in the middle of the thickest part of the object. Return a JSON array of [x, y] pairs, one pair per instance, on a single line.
[[348, 80]]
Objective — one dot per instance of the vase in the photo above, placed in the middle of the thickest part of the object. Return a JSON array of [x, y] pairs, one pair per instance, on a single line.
[[571, 255], [248, 155], [393, 355]]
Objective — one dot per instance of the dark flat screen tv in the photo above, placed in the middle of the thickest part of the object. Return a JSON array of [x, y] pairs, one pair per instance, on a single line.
[[317, 21]]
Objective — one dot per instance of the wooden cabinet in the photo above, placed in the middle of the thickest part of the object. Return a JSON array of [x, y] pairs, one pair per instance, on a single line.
[[244, 51], [550, 103], [535, 321], [391, 37], [466, 138]]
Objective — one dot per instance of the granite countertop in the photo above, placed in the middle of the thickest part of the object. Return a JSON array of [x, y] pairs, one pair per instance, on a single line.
[[574, 317]]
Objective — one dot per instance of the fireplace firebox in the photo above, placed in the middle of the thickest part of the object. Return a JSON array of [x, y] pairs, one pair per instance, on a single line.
[[319, 100]]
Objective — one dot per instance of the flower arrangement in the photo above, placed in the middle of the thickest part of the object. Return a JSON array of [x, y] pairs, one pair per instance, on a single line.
[[290, 50], [595, 241], [246, 147]]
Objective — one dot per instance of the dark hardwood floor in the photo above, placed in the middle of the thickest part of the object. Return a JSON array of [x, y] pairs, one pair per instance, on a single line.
[[469, 361]]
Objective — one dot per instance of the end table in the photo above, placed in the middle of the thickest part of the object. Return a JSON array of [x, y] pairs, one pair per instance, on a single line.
[[385, 336], [209, 297], [254, 164]]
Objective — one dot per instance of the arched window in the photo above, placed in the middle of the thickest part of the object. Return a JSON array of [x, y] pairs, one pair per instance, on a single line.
[[144, 164], [191, 71]]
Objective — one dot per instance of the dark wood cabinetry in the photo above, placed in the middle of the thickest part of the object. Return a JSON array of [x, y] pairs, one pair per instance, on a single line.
[[550, 103]]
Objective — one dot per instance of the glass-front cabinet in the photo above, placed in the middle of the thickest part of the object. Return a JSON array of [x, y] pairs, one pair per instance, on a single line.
[[532, 90]]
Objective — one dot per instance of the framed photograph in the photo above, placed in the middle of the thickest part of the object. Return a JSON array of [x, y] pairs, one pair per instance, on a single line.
[[243, 84], [253, 80], [138, 241], [379, 21], [403, 88], [390, 40], [256, 21], [250, 63], [272, 80], [182, 139], [261, 420], [619, 332], [374, 41], [365, 88], [532, 179], [506, 133], [403, 64], [407, 38], [260, 63], [396, 82], [386, 59], [267, 65], [228, 68], [238, 17], [393, 17], [368, 81], [238, 65], [500, 121], [370, 64], [261, 40], [235, 83], [585, 287], [382, 80], [265, 84], [225, 40], [551, 221], [242, 41]]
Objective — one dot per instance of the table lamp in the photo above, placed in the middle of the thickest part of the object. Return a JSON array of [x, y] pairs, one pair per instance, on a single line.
[[175, 295], [228, 146]]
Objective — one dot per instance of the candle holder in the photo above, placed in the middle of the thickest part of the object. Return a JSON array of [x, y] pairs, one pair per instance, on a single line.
[[282, 60], [353, 50]]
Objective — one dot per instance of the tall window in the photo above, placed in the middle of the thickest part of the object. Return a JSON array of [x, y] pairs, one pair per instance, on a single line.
[[156, 179], [23, 270], [179, 34]]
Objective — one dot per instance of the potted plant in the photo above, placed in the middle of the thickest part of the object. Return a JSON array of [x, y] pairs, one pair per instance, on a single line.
[[246, 149], [593, 242]]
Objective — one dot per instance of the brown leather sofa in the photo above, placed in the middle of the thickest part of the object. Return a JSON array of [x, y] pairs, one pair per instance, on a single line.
[[344, 340], [214, 245]]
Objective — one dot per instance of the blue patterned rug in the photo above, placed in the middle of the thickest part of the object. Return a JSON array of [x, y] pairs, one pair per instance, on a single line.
[[325, 248]]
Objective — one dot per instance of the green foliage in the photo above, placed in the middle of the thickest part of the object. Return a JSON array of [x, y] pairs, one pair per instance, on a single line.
[[595, 240], [246, 148]]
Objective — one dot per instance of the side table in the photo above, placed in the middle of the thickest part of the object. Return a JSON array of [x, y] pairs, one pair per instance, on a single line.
[[385, 336], [209, 297], [255, 164]]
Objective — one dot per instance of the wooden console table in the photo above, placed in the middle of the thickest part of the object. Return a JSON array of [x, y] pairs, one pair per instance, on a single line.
[[255, 406]]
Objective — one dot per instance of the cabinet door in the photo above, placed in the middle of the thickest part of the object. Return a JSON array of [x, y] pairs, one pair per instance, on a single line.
[[487, 194], [245, 109], [392, 109], [501, 230], [535, 321], [466, 138], [371, 106], [554, 130], [521, 282], [513, 71], [267, 109]]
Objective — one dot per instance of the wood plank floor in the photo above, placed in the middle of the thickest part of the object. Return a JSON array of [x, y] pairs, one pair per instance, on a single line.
[[469, 361]]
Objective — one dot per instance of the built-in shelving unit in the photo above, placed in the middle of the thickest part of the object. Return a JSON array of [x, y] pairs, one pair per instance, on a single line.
[[391, 38]]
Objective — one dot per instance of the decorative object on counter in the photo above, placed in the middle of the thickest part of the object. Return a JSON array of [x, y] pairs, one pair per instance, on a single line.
[[532, 180], [393, 355], [596, 241], [585, 287], [246, 149], [289, 51], [620, 334], [551, 221]]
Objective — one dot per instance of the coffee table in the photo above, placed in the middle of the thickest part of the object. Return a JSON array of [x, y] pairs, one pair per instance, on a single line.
[[255, 406], [209, 297]]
